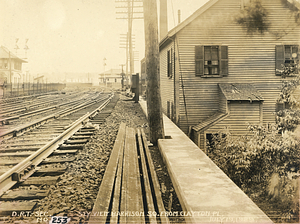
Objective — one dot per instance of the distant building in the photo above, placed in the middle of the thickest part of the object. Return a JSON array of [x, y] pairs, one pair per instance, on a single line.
[[79, 80], [10, 67], [111, 78]]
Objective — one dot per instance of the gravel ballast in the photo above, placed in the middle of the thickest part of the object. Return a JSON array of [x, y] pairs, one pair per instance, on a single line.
[[74, 195]]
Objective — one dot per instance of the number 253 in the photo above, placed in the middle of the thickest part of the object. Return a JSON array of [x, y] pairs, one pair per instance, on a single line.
[[61, 220]]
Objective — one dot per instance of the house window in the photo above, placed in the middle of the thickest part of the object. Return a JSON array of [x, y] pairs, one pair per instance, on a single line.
[[170, 63], [282, 106], [5, 64], [286, 55], [115, 80], [290, 55], [17, 65], [211, 61]]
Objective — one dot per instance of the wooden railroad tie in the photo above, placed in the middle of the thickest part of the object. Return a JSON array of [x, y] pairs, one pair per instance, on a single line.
[[130, 191]]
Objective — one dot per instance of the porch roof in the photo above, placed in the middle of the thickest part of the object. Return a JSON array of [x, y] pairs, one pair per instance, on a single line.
[[240, 92], [216, 117]]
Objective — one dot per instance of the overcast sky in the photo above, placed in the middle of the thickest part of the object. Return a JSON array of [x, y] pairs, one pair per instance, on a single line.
[[74, 35]]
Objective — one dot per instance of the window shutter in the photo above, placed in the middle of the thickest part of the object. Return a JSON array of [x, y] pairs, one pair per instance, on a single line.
[[168, 109], [279, 55], [199, 60], [168, 63], [174, 57], [224, 60], [279, 107], [297, 60], [172, 111], [171, 63], [287, 105]]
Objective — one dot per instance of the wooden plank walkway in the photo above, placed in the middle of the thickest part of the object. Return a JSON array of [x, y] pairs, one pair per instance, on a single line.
[[129, 192]]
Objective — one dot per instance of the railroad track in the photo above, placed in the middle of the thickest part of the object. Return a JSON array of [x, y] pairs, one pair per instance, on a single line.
[[47, 113], [14, 111], [14, 105], [40, 131], [46, 162]]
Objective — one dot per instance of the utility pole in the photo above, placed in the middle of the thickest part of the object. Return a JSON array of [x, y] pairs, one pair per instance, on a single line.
[[135, 57], [10, 74], [26, 48], [124, 44], [154, 107], [17, 47], [104, 63], [129, 13], [122, 74]]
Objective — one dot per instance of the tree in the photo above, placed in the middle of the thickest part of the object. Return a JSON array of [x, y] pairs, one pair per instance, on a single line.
[[288, 119]]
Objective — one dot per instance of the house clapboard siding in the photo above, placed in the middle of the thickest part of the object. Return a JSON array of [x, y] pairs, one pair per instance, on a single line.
[[166, 83], [251, 59], [241, 114], [222, 102]]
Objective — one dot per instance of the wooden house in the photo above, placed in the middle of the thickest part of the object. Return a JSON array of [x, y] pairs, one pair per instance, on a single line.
[[10, 67], [216, 74]]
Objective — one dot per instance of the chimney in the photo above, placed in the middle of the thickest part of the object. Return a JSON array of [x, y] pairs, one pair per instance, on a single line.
[[163, 19], [179, 13]]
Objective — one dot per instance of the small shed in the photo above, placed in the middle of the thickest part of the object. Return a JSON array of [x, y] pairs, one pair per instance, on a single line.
[[240, 104]]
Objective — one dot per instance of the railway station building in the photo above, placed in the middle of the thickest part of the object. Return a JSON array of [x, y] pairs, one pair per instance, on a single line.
[[215, 73], [111, 78]]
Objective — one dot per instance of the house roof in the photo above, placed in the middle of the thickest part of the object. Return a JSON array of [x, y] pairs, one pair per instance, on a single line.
[[111, 72], [183, 24], [240, 92], [5, 53], [216, 117], [296, 3], [197, 13]]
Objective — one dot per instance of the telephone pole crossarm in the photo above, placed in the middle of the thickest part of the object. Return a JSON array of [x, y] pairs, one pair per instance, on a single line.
[[126, 10]]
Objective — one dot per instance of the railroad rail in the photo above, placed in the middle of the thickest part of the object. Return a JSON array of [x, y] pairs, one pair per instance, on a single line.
[[18, 173], [72, 107], [30, 137], [27, 108], [67, 143], [19, 105], [27, 105], [129, 191]]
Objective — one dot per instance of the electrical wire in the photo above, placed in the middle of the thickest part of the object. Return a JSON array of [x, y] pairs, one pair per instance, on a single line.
[[182, 85]]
